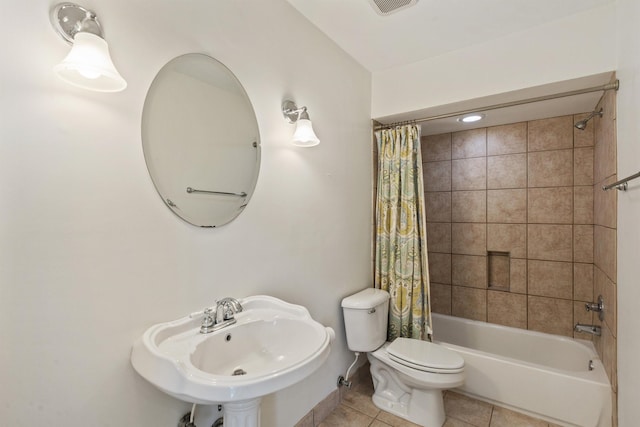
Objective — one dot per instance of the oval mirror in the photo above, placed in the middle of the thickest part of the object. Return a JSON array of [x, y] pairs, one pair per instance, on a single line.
[[200, 140]]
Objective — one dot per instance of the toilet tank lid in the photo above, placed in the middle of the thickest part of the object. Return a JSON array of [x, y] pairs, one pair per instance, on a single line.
[[366, 299]]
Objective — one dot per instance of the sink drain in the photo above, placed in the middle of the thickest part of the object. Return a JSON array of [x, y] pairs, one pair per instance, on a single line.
[[239, 372]]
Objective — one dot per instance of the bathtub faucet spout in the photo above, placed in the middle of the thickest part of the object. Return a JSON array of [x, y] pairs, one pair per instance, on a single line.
[[589, 329]]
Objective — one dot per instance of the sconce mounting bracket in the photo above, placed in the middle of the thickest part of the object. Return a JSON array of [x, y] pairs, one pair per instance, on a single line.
[[290, 111], [68, 19]]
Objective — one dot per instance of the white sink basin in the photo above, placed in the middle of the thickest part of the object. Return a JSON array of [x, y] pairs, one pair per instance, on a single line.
[[273, 345]]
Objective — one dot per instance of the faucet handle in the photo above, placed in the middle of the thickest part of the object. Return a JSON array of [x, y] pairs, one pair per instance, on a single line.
[[209, 316], [208, 321], [598, 307]]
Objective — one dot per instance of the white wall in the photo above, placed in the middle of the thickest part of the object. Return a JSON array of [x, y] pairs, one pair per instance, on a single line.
[[575, 46], [89, 255], [628, 127]]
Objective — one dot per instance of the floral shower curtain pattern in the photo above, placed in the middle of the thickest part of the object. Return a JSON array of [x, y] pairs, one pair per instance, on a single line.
[[401, 243]]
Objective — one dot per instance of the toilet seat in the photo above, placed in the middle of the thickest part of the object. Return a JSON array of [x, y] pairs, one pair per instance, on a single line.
[[425, 356]]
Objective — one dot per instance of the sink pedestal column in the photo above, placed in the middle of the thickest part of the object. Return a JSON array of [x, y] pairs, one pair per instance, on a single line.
[[242, 414]]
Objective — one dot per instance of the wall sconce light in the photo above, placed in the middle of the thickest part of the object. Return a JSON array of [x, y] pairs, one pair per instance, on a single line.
[[304, 136], [88, 65]]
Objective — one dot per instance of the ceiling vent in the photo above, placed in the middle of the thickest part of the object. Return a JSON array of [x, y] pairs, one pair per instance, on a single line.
[[387, 7]]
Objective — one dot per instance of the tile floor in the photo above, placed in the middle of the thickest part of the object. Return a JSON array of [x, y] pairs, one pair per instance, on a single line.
[[357, 410]]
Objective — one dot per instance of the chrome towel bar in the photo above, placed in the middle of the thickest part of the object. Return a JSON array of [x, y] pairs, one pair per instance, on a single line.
[[622, 184], [223, 193]]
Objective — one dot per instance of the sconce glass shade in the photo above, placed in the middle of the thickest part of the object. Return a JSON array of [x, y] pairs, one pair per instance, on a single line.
[[304, 136], [88, 65]]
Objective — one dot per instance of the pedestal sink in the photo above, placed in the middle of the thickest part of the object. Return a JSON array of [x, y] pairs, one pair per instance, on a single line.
[[272, 345]]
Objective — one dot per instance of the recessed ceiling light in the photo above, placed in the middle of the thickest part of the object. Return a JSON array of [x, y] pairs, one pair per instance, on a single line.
[[470, 118]]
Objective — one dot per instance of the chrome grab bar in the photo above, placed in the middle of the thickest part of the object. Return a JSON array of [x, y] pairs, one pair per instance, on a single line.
[[223, 193]]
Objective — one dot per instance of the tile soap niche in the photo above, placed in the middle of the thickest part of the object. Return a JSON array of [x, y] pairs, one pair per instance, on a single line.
[[498, 269]]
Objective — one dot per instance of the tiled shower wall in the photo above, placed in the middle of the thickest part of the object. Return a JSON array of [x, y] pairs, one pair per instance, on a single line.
[[523, 192], [519, 230]]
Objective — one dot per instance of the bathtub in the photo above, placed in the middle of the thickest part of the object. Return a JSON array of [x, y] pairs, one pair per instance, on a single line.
[[542, 375]]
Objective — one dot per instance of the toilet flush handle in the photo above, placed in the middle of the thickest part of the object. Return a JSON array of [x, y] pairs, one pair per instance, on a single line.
[[371, 311]]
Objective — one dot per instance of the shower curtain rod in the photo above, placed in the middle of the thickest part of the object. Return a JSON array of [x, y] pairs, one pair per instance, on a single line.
[[609, 86]]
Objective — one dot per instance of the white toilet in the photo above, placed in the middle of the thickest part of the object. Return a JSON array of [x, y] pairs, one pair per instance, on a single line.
[[408, 374]]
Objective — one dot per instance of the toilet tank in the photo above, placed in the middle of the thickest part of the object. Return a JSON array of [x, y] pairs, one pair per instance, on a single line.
[[365, 319]]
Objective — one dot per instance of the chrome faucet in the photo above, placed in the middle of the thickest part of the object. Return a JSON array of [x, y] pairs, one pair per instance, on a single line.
[[220, 316], [597, 307], [589, 329]]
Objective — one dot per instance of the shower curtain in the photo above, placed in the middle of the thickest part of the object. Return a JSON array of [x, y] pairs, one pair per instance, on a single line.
[[401, 244]]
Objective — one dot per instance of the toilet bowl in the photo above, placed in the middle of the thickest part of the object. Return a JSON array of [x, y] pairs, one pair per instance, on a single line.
[[408, 374]]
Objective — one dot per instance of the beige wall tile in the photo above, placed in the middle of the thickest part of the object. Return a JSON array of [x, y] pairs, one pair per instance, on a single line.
[[551, 134], [611, 312], [507, 206], [510, 238], [507, 139], [605, 140], [469, 239], [604, 252], [438, 206], [550, 315], [550, 168], [437, 176], [470, 303], [583, 205], [583, 243], [605, 204], [507, 309], [608, 104], [532, 173], [518, 274], [469, 270], [439, 237], [436, 147], [583, 166], [583, 138], [605, 287], [469, 143], [604, 161], [550, 279], [498, 274], [469, 174], [550, 205], [440, 267], [507, 171], [581, 315], [606, 346], [609, 356], [598, 341], [440, 298], [583, 282], [469, 206], [550, 242]]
